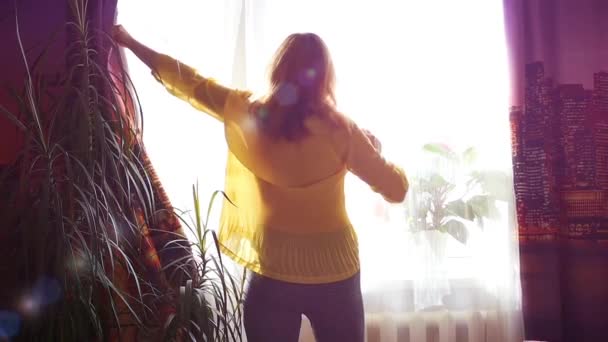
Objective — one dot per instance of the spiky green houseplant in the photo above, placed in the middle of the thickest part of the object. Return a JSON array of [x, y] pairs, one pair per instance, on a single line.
[[72, 228], [209, 304], [72, 194], [442, 204]]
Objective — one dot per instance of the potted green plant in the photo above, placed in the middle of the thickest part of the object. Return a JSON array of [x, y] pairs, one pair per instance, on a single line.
[[454, 195], [447, 200]]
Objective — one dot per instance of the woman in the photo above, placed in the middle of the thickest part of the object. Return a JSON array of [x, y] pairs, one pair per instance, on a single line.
[[288, 155]]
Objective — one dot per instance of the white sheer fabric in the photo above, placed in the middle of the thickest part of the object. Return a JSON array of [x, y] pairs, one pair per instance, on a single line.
[[413, 72]]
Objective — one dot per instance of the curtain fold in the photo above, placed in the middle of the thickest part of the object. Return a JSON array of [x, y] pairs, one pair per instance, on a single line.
[[559, 58]]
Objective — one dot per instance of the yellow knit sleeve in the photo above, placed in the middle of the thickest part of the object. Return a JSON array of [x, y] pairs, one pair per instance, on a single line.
[[368, 164], [187, 84]]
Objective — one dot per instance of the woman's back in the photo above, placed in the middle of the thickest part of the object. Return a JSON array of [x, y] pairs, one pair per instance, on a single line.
[[293, 164], [287, 219], [300, 184]]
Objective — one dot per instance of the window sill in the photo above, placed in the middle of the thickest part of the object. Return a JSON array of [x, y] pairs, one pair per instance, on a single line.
[[464, 294]]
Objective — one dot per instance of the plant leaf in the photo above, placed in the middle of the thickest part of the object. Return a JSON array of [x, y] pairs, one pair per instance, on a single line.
[[461, 209], [495, 183], [457, 230], [441, 150], [484, 206], [13, 118], [469, 156]]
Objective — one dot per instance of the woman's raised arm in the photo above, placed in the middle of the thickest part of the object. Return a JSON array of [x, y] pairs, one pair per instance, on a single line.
[[178, 78]]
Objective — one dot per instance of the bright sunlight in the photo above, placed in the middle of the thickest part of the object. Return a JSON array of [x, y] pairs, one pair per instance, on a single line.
[[410, 71]]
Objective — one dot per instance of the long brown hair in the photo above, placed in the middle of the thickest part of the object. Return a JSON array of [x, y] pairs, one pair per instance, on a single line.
[[302, 82]]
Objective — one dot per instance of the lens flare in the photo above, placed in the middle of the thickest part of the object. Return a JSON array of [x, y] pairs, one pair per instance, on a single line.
[[10, 323], [44, 292], [287, 94]]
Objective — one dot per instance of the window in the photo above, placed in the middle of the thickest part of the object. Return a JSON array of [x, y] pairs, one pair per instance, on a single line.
[[412, 72]]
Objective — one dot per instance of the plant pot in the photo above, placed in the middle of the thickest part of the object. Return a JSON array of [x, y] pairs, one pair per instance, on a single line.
[[431, 284]]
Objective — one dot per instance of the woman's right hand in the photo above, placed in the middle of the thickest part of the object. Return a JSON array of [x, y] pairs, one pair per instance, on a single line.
[[121, 36]]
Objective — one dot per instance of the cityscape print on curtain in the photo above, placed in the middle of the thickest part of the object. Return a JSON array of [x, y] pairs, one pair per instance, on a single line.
[[560, 158]]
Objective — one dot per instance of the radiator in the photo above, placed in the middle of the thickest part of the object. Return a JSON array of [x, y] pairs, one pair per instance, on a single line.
[[441, 326]]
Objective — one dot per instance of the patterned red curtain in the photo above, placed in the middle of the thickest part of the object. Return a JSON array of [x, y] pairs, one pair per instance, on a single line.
[[43, 26], [162, 227]]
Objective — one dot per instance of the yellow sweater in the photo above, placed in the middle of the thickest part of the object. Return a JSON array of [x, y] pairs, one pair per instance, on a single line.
[[289, 219]]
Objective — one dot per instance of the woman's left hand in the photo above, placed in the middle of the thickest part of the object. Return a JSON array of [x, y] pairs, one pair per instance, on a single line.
[[121, 36]]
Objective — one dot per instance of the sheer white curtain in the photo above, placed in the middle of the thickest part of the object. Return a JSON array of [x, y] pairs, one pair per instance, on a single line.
[[414, 73]]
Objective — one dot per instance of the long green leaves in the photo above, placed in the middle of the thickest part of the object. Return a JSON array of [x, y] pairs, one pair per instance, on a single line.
[[78, 195], [209, 306]]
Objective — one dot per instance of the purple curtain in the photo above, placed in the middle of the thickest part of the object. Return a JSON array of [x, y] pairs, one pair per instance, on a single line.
[[559, 62]]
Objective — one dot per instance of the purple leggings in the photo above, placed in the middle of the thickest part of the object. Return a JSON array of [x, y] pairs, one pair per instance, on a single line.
[[273, 310]]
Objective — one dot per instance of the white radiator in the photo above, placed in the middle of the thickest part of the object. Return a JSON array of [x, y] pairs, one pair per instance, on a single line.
[[441, 326]]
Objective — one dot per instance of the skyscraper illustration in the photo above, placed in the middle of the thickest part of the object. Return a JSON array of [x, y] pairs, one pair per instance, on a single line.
[[560, 157]]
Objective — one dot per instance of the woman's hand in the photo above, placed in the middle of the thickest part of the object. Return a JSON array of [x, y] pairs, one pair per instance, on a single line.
[[121, 36], [374, 140], [144, 53]]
